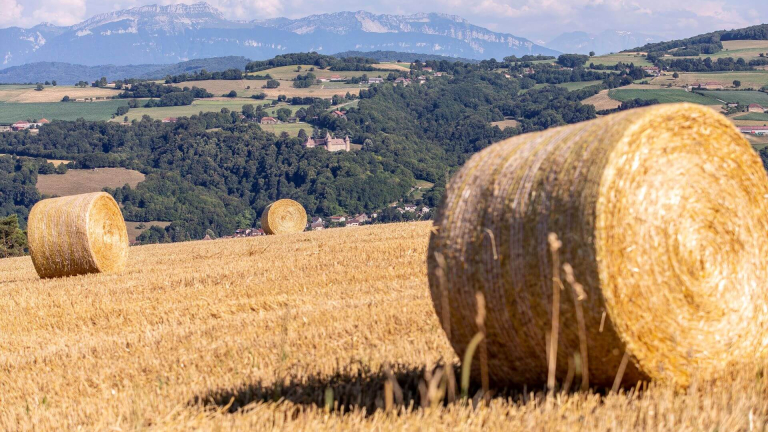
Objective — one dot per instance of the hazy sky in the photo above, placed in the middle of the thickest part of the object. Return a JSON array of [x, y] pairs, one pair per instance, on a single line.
[[535, 19]]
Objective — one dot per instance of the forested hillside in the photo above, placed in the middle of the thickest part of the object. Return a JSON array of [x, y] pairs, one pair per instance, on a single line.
[[217, 171]]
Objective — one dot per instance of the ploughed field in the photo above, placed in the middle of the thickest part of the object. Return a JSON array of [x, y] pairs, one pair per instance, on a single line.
[[283, 332]]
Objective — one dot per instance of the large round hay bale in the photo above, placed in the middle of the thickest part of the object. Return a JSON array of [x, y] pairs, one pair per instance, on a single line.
[[283, 217], [76, 235], [662, 213]]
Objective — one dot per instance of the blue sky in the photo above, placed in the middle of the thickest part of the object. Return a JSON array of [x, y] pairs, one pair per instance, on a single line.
[[536, 19]]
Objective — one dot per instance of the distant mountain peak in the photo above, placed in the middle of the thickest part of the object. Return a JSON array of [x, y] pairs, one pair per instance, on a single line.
[[164, 17], [171, 33]]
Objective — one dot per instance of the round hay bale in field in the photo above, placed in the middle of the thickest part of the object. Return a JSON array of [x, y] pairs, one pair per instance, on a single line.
[[77, 234], [662, 213], [283, 217]]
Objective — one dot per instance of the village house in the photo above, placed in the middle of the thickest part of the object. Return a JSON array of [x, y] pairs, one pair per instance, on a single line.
[[375, 80], [438, 74], [249, 232], [427, 69], [755, 108], [652, 70], [269, 121], [21, 125], [403, 81], [352, 222], [337, 78], [337, 219], [324, 80], [5, 128], [317, 226], [754, 130], [169, 120], [317, 219], [339, 114], [358, 220], [330, 144], [712, 85]]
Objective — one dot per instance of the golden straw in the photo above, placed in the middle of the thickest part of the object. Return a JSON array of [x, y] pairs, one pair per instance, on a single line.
[[76, 235], [283, 217], [663, 216]]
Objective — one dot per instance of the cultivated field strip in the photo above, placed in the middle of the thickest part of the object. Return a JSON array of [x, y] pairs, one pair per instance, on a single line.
[[260, 333]]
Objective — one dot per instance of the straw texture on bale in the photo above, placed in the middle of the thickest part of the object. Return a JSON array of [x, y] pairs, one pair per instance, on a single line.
[[76, 235], [283, 217], [662, 213]]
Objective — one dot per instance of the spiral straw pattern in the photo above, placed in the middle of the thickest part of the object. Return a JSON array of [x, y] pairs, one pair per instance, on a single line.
[[283, 217], [76, 235], [663, 215]]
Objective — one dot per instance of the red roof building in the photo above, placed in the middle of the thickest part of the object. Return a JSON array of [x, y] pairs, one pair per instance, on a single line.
[[756, 108], [268, 120]]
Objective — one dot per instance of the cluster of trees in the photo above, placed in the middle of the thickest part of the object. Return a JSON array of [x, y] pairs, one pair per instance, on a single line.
[[202, 75], [527, 58], [572, 60], [304, 81], [168, 95], [319, 60], [704, 65], [13, 241], [18, 177]]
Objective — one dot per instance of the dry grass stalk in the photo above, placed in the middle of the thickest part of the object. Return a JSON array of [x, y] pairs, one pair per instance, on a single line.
[[676, 266], [578, 296], [620, 372], [284, 216], [480, 321], [557, 287], [76, 235]]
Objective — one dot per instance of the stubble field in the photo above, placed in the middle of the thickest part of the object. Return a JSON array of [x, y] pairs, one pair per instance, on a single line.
[[28, 94], [295, 332], [79, 181]]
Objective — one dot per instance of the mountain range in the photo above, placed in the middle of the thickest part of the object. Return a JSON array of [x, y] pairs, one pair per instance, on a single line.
[[609, 41], [68, 73], [168, 34]]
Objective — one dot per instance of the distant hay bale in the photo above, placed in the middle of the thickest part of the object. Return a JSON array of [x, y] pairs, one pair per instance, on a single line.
[[283, 217], [662, 213], [77, 234]]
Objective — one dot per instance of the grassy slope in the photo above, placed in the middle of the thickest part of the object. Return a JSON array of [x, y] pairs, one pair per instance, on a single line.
[[742, 97], [612, 59], [291, 128], [746, 49], [753, 116], [12, 112], [749, 79], [662, 95], [189, 329]]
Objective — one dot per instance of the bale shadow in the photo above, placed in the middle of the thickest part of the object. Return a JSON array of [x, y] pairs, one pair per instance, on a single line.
[[344, 391]]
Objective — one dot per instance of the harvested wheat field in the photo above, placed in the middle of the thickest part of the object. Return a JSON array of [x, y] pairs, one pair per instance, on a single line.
[[602, 101], [79, 181], [285, 333], [54, 94]]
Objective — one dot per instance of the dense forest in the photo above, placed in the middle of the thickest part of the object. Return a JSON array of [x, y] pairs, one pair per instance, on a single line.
[[215, 172]]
